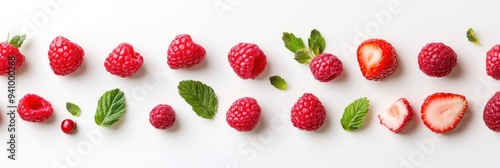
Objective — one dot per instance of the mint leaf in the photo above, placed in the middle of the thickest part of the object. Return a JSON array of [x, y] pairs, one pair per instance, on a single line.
[[110, 108], [278, 82], [303, 56], [316, 42], [73, 109], [471, 36], [17, 40], [293, 43], [200, 96], [354, 114]]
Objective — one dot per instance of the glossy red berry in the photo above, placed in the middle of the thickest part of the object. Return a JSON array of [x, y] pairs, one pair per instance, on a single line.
[[68, 126]]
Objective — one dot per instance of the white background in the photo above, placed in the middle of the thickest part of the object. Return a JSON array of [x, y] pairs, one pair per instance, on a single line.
[[217, 25]]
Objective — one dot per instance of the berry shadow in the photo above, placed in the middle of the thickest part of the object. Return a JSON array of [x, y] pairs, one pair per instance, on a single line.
[[141, 73], [399, 73], [266, 73], [344, 77], [326, 125], [76, 129], [456, 72], [261, 126], [203, 65], [50, 120], [24, 68], [80, 71], [412, 125], [174, 128]]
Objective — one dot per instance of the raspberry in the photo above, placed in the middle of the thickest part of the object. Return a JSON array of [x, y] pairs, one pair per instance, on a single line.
[[9, 51], [64, 56], [244, 114], [326, 67], [184, 53], [123, 61], [437, 59], [247, 60], [33, 108], [493, 62], [162, 116], [491, 113], [308, 113]]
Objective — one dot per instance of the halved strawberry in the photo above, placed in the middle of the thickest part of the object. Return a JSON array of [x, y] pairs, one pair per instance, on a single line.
[[441, 112], [397, 116], [377, 59]]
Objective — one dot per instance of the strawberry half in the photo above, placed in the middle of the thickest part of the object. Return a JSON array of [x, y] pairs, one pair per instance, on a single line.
[[377, 59], [397, 116], [441, 112]]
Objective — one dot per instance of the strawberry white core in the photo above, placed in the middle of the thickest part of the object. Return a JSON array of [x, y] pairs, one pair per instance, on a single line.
[[371, 55]]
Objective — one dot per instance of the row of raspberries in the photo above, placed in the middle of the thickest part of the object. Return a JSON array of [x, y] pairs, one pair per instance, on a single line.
[[65, 56]]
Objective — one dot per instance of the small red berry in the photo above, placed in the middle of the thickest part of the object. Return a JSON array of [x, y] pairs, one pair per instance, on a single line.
[[64, 56], [326, 67], [33, 108], [247, 60], [68, 126], [123, 61], [162, 116], [184, 53], [437, 59], [308, 113], [491, 113], [493, 62], [9, 53], [244, 114]]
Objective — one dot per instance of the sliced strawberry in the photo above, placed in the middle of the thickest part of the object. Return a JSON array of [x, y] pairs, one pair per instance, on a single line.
[[397, 116], [377, 59], [441, 112]]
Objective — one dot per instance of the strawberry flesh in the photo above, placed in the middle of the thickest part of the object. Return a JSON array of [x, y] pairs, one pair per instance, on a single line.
[[441, 112], [397, 116]]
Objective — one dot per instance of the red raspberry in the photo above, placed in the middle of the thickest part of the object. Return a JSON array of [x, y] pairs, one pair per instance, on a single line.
[[247, 60], [437, 59], [244, 114], [308, 113], [491, 113], [34, 108], [184, 53], [493, 62], [64, 56], [326, 67], [8, 49], [162, 116], [123, 61]]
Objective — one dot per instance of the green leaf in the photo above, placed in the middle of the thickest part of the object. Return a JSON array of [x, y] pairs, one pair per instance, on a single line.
[[354, 114], [200, 96], [278, 82], [110, 108], [316, 42], [17, 40], [303, 56], [471, 36], [73, 109], [293, 43]]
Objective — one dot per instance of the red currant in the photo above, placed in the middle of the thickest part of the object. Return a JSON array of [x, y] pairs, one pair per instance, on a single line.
[[68, 126]]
